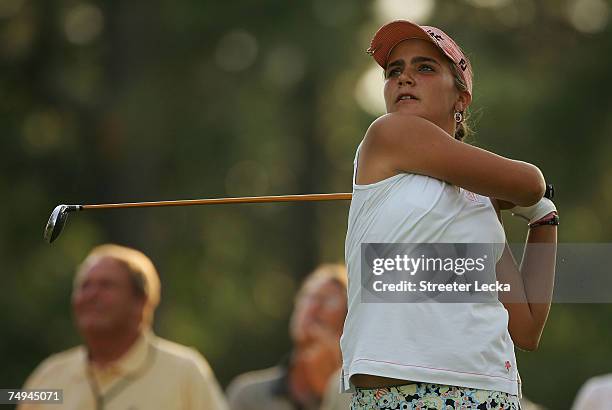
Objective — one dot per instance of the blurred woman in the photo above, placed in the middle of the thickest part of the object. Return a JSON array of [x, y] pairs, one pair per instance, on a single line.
[[415, 181]]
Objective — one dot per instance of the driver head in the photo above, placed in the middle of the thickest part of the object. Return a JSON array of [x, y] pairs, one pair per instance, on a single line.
[[57, 220]]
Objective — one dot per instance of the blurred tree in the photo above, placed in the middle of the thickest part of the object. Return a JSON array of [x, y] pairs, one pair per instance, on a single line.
[[108, 101]]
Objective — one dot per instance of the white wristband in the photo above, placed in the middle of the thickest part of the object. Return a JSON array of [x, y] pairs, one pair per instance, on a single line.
[[535, 212]]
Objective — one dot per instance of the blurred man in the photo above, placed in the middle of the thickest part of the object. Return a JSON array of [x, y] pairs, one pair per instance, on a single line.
[[595, 394], [309, 378], [123, 365]]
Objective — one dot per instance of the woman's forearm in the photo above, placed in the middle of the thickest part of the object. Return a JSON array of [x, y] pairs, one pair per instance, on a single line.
[[538, 271]]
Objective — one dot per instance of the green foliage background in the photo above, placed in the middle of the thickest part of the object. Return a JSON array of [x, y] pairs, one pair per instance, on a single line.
[[145, 111]]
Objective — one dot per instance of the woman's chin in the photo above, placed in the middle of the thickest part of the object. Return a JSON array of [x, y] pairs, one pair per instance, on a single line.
[[408, 109]]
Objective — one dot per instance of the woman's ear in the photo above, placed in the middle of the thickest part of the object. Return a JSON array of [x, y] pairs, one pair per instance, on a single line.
[[463, 101]]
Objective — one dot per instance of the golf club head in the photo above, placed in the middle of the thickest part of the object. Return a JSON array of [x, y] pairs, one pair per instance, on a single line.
[[57, 220]]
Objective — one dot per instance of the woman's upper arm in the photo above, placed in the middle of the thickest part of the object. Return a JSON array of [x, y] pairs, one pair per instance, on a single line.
[[412, 144]]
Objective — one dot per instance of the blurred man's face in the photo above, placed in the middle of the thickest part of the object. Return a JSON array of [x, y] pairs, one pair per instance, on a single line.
[[104, 300], [321, 306]]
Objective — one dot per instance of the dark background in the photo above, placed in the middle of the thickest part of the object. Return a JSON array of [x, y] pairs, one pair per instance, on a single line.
[[117, 101]]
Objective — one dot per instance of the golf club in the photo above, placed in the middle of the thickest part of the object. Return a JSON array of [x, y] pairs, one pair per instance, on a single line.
[[58, 217]]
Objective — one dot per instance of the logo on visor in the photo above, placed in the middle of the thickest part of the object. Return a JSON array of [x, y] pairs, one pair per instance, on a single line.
[[435, 36]]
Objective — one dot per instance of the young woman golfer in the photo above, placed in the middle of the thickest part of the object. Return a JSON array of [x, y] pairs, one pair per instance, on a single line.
[[415, 181]]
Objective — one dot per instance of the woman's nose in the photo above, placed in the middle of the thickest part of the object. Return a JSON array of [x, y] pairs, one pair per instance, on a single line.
[[405, 78]]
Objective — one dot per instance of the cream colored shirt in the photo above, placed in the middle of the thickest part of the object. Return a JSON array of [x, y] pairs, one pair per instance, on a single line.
[[154, 374]]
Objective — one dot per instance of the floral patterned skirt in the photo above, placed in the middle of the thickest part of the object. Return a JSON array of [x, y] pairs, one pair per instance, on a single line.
[[427, 396]]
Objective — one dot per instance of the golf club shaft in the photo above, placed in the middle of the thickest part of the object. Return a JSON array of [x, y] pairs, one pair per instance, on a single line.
[[245, 200], [237, 200]]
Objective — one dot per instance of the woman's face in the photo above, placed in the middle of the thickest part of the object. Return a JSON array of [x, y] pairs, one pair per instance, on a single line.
[[419, 81]]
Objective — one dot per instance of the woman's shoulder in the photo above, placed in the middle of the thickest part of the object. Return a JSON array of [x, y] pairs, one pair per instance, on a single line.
[[390, 145], [398, 134], [399, 122]]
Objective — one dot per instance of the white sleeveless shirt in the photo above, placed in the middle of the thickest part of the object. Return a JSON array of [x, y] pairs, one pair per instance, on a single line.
[[457, 344]]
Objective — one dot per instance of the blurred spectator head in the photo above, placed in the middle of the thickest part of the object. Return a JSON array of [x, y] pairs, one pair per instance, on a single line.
[[321, 302], [115, 288]]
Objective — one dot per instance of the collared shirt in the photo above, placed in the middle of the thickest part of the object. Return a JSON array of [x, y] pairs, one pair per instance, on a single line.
[[264, 389], [269, 389], [153, 374]]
